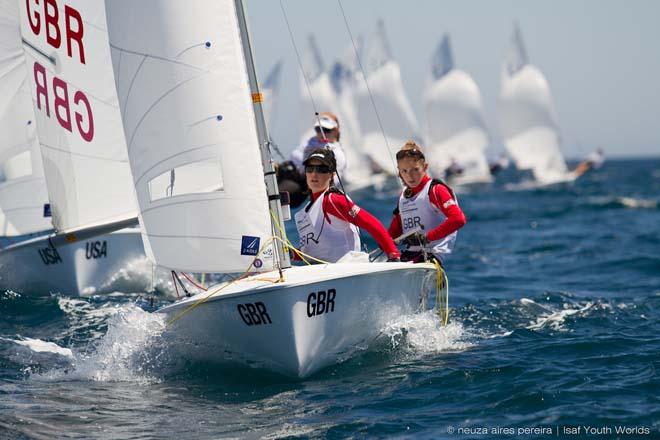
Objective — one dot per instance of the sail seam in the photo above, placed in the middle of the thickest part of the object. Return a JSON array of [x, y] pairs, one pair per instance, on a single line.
[[142, 176]]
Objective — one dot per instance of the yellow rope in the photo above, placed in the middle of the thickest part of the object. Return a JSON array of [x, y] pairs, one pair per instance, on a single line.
[[213, 292], [441, 298]]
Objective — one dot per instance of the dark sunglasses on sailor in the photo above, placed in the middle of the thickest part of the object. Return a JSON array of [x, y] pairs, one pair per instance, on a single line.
[[325, 130], [409, 153], [322, 169]]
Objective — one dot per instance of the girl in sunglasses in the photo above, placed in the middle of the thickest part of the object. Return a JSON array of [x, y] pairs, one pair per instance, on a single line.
[[328, 225], [427, 212]]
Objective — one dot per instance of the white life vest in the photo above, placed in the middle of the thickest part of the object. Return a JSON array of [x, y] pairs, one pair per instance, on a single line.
[[418, 213], [320, 239]]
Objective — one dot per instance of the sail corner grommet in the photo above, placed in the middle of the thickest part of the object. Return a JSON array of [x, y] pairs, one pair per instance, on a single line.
[[207, 44]]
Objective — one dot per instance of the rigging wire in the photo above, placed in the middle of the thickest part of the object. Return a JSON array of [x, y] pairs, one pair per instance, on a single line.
[[366, 82]]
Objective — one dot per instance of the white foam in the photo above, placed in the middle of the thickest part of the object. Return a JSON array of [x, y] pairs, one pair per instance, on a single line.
[[122, 354], [39, 346], [631, 202], [556, 320], [424, 334]]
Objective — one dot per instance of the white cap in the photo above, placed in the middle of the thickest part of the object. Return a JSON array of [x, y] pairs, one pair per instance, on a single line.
[[326, 122]]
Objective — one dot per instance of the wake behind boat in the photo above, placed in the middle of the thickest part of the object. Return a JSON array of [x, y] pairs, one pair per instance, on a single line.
[[195, 106]]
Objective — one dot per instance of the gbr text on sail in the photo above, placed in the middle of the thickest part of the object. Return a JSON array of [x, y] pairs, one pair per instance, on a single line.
[[59, 28]]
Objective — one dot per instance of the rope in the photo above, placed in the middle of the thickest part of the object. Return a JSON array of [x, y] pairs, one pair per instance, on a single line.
[[224, 286], [193, 282], [441, 298]]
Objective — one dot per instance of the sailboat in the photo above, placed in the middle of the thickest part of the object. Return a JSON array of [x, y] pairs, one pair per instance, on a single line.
[[195, 104], [383, 89], [62, 112], [527, 117], [271, 91], [455, 128]]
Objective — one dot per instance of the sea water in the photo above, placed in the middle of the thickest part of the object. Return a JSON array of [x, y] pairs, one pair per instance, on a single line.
[[554, 332]]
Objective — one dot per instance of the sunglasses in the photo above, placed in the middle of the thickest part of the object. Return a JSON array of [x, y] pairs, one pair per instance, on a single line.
[[322, 169], [325, 130]]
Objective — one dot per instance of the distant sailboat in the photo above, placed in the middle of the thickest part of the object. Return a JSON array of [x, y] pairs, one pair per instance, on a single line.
[[527, 118], [271, 91], [199, 108], [315, 89], [84, 157], [395, 115], [454, 125]]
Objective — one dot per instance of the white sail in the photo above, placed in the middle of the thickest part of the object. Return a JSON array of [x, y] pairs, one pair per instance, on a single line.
[[190, 126], [23, 194], [78, 121], [527, 117], [271, 91], [315, 90], [455, 128], [394, 113]]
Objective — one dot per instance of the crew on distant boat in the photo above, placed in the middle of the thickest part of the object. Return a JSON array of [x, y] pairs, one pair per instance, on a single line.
[[291, 174], [500, 164], [592, 162], [454, 169], [328, 226], [427, 208]]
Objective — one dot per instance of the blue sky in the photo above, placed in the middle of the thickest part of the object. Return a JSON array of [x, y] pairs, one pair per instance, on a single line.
[[601, 57]]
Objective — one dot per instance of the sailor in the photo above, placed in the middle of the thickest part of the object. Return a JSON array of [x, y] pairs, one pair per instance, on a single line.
[[328, 225], [427, 210], [454, 169], [291, 174], [593, 161]]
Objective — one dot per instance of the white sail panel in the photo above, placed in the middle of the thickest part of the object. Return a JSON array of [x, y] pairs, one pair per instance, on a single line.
[[394, 113], [23, 191], [455, 128], [527, 117], [315, 90], [75, 103], [186, 102]]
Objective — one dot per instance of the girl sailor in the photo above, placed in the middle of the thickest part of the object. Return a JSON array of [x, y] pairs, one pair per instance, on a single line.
[[427, 211], [328, 225]]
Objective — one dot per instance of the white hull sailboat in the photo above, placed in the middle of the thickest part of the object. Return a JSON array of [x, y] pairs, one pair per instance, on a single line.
[[197, 106], [103, 264], [527, 118], [318, 316], [455, 128], [78, 151]]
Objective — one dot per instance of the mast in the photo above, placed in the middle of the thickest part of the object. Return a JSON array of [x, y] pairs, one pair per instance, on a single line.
[[264, 140]]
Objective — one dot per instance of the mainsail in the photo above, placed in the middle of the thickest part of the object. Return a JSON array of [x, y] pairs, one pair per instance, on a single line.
[[394, 114], [316, 92], [77, 112], [527, 117], [189, 121], [23, 195], [454, 126]]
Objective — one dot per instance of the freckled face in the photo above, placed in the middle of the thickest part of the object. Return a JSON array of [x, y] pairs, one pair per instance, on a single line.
[[316, 181], [412, 171]]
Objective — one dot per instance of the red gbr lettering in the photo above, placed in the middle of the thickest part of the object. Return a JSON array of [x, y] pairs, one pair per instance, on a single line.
[[82, 110], [49, 16]]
